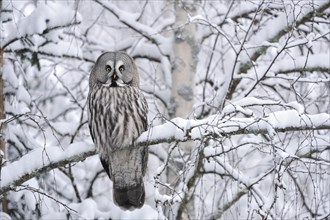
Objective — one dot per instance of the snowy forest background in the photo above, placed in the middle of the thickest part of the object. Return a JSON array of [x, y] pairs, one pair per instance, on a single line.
[[239, 104]]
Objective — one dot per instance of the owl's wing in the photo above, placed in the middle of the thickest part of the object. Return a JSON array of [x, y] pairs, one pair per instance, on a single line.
[[144, 108], [106, 166]]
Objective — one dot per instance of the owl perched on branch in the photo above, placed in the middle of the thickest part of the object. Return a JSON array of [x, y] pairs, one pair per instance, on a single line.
[[117, 115]]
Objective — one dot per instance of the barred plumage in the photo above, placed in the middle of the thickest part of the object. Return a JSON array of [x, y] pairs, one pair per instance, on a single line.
[[117, 113]]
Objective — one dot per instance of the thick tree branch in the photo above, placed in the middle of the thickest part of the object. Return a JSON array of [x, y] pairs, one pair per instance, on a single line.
[[27, 167], [177, 129]]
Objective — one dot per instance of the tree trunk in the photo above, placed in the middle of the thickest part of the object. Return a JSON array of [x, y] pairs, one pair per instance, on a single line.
[[3, 150], [185, 51], [183, 74], [2, 108]]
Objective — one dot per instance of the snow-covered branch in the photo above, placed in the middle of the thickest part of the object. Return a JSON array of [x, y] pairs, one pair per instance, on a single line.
[[277, 33], [178, 130], [283, 121], [314, 62], [145, 30], [42, 20], [41, 160]]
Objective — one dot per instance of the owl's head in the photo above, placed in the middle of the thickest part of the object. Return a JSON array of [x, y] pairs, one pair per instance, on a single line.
[[114, 69]]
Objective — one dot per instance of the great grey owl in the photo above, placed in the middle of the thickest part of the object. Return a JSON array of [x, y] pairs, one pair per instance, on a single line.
[[117, 115]]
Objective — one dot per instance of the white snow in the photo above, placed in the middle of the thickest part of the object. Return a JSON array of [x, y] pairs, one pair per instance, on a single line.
[[4, 216], [291, 118], [161, 197], [8, 76], [39, 158], [23, 95], [175, 129], [42, 18], [196, 18]]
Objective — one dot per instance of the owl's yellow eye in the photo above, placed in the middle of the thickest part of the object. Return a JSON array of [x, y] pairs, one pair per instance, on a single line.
[[107, 68], [121, 68]]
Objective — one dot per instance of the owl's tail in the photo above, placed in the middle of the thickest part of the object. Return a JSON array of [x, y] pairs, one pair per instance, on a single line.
[[129, 197]]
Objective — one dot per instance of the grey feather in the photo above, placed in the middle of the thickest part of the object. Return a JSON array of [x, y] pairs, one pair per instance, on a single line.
[[117, 115]]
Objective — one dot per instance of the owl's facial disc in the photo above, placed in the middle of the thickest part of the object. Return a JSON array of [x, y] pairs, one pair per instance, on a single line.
[[114, 74]]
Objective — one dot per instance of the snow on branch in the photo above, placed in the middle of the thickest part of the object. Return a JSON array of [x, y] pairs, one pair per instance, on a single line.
[[178, 129], [39, 161], [280, 27], [146, 31], [317, 62], [41, 21]]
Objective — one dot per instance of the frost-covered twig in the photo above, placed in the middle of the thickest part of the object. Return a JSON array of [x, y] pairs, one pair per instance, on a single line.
[[222, 166], [301, 193], [229, 204], [281, 32], [32, 189], [275, 38]]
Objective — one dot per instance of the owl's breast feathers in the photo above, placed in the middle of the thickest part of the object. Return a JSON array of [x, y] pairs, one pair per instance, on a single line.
[[117, 116]]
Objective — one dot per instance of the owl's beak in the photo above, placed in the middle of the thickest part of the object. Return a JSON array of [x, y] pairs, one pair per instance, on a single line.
[[114, 80], [114, 76]]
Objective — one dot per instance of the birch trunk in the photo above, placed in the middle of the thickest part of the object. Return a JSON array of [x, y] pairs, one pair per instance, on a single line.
[[185, 57]]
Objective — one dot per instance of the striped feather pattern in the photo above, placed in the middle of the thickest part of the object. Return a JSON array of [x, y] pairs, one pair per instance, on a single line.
[[117, 116]]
